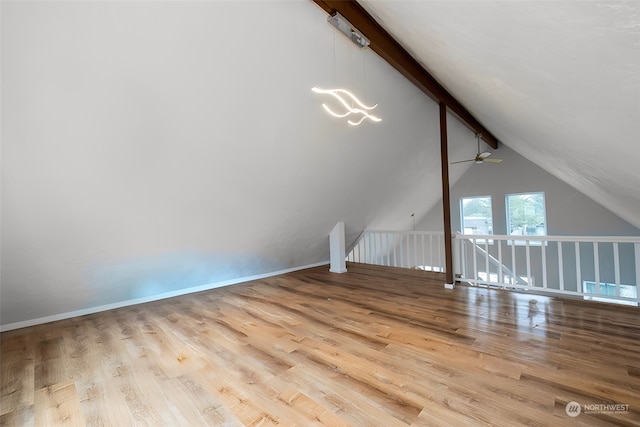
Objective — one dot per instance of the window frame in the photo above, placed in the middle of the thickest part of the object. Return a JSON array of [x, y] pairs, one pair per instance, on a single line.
[[462, 221], [508, 219]]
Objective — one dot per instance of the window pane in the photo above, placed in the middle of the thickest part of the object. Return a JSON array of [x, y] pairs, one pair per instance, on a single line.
[[526, 214], [477, 217]]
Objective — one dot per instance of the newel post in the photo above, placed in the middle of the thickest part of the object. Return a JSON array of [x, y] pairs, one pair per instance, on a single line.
[[337, 249]]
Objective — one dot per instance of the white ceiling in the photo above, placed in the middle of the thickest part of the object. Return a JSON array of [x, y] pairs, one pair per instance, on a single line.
[[559, 82]]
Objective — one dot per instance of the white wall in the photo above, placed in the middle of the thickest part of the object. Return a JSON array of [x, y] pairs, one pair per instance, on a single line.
[[569, 212], [149, 147]]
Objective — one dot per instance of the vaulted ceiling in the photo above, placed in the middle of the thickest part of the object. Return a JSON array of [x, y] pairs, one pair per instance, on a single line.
[[557, 82]]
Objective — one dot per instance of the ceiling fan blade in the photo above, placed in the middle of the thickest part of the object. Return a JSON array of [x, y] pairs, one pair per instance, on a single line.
[[484, 155], [492, 160], [463, 161]]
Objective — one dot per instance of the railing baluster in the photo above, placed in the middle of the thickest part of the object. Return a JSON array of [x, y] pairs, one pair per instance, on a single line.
[[423, 249], [501, 266], [578, 268], [486, 259], [616, 267], [351, 255], [405, 243], [543, 254], [636, 248], [475, 262], [393, 236], [560, 267], [431, 252], [440, 241], [415, 250], [407, 237], [373, 252], [513, 263], [596, 266], [405, 250], [404, 254], [528, 256], [464, 258]]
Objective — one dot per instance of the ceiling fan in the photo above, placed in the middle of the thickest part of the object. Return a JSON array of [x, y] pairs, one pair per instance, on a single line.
[[480, 157]]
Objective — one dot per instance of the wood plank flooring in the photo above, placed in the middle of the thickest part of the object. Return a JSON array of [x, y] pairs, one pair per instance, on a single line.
[[376, 346]]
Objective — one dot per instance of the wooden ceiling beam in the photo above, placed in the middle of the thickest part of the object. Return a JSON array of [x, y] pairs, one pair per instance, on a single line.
[[391, 51]]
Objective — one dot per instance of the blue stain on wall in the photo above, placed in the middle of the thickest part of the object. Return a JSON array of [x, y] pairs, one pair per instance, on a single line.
[[145, 277]]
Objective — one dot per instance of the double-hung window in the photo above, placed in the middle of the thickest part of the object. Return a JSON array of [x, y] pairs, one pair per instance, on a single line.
[[476, 215], [526, 216]]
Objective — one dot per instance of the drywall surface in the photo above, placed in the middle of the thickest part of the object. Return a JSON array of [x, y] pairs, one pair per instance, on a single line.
[[559, 82], [149, 147], [569, 212]]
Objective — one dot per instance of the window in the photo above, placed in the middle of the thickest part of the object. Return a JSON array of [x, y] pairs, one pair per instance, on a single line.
[[476, 214], [526, 215]]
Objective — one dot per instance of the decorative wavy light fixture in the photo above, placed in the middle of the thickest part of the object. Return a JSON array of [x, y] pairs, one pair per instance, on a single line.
[[348, 108], [349, 104]]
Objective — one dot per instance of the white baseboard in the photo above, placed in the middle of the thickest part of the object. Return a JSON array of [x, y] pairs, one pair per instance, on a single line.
[[176, 293]]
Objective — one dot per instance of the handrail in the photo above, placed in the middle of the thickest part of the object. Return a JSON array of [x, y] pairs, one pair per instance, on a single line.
[[620, 239], [592, 267]]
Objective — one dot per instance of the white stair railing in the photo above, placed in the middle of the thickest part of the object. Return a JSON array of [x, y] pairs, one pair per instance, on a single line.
[[598, 268], [408, 249], [506, 273]]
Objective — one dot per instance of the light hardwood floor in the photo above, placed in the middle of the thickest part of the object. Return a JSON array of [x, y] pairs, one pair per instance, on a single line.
[[373, 347]]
